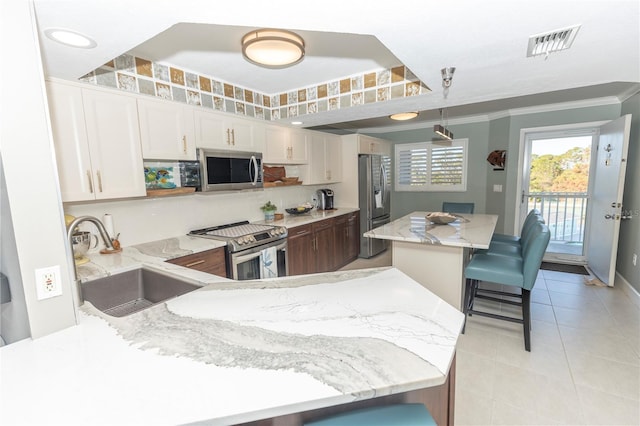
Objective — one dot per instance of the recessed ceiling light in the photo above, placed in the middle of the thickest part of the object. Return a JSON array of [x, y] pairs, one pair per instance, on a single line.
[[296, 123], [402, 116], [70, 38]]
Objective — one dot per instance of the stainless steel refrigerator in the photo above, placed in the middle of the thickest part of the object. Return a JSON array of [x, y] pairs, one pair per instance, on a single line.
[[374, 200]]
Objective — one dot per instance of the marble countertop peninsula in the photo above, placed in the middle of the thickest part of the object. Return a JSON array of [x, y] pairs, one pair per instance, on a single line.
[[236, 351], [470, 230]]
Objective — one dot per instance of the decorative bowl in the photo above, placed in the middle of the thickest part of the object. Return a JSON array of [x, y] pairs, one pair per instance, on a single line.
[[296, 210], [440, 218]]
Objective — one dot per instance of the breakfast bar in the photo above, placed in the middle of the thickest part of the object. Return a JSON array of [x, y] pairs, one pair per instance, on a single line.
[[435, 255], [276, 351]]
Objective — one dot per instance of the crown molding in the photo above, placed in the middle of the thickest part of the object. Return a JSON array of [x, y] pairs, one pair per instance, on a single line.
[[561, 106]]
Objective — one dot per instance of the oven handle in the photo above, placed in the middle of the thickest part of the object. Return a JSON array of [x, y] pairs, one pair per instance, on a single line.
[[255, 252]]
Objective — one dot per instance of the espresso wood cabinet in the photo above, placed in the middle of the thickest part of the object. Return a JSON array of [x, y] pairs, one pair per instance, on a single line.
[[323, 234], [325, 245], [210, 261], [300, 248], [346, 239]]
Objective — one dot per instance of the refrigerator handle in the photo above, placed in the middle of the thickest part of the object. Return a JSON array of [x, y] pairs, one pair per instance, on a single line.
[[383, 178]]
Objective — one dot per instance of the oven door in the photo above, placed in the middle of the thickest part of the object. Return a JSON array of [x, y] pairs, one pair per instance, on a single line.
[[267, 261]]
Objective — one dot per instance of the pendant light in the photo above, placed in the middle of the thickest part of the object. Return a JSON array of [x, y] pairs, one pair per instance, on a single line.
[[441, 129]]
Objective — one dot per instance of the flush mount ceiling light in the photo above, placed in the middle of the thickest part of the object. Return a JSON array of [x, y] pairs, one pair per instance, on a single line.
[[271, 48], [70, 38], [402, 116]]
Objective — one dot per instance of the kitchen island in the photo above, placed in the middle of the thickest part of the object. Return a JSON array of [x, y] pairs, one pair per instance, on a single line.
[[233, 352], [436, 255]]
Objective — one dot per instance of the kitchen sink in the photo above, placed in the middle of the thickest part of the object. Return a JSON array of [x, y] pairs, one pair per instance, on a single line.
[[123, 294]]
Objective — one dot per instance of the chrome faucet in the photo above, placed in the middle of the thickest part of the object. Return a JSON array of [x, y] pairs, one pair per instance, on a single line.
[[105, 237]]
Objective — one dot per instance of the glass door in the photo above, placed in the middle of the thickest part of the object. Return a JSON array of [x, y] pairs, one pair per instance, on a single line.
[[557, 182]]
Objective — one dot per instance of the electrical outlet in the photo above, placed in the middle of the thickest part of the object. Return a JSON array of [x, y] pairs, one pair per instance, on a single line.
[[48, 282], [635, 259]]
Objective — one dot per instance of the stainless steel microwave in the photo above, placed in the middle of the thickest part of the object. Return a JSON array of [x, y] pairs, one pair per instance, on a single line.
[[229, 170]]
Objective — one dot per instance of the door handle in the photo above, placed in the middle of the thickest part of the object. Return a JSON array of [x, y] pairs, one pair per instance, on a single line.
[[99, 180], [228, 137], [184, 144], [612, 216], [616, 205], [90, 181], [233, 137]]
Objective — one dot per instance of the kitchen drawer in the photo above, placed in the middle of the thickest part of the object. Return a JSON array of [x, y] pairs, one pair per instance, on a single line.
[[210, 261], [322, 224], [300, 230]]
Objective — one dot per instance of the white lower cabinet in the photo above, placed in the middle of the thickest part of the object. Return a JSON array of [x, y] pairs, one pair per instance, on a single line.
[[97, 143], [325, 159], [166, 130]]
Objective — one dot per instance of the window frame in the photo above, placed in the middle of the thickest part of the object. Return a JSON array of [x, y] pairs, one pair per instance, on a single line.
[[428, 186]]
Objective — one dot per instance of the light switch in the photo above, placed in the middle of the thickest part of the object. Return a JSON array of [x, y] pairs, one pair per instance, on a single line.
[[497, 188]]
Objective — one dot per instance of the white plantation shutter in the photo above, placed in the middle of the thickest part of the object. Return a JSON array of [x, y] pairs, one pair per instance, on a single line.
[[431, 166], [411, 165]]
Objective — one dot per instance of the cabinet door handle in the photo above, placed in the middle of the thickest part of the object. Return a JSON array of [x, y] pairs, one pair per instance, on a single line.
[[90, 181], [228, 137], [184, 144], [99, 180], [233, 137], [198, 262]]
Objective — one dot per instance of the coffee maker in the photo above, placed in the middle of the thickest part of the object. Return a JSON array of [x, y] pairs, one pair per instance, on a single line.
[[325, 199]]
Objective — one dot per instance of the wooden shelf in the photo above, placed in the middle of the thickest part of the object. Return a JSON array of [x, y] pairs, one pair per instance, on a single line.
[[172, 191], [279, 183]]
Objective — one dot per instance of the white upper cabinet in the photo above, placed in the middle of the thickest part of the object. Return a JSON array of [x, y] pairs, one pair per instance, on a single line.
[[70, 140], [166, 130], [284, 145], [217, 130], [97, 142], [369, 145], [325, 159]]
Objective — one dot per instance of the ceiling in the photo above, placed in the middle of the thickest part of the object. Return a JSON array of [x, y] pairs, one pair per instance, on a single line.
[[486, 41]]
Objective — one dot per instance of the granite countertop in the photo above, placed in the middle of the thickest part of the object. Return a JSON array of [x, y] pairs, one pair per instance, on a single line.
[[470, 230], [233, 352], [154, 254], [291, 221]]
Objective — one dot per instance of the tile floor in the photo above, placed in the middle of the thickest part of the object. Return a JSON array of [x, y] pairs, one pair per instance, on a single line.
[[583, 368]]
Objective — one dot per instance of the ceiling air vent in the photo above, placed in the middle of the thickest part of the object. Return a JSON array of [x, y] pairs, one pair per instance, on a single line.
[[554, 41]]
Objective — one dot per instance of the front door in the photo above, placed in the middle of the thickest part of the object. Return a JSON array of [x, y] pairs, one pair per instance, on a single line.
[[606, 201]]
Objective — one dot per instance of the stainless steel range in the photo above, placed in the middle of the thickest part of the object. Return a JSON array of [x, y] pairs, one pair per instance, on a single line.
[[253, 251]]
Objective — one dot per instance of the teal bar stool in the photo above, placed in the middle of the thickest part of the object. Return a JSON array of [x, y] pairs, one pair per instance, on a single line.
[[390, 415], [449, 207], [513, 271], [534, 214], [514, 249]]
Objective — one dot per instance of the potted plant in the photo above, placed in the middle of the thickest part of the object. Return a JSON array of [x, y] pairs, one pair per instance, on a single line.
[[269, 210]]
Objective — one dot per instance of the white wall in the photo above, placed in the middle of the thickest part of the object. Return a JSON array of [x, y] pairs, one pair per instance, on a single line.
[[14, 321], [30, 173]]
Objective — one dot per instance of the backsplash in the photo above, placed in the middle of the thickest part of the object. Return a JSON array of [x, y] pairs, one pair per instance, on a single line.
[[151, 219], [130, 73]]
